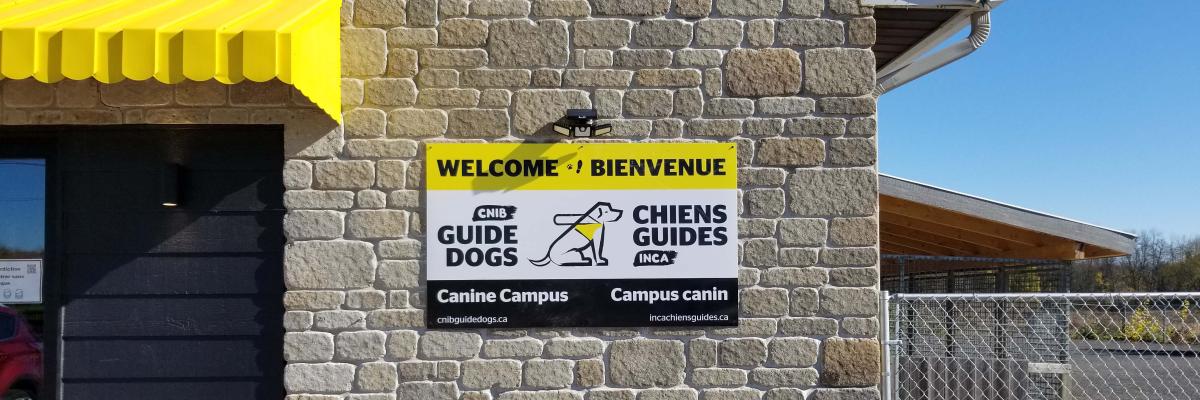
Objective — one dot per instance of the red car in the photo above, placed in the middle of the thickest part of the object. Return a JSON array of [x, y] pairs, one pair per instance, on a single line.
[[20, 357]]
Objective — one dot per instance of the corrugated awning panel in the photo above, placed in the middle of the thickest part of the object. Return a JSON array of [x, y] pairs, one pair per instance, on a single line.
[[295, 41]]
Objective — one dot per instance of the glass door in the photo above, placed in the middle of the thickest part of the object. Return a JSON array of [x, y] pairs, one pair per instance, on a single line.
[[22, 263]]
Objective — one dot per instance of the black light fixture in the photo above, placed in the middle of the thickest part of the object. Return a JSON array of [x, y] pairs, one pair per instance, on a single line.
[[168, 185], [581, 123]]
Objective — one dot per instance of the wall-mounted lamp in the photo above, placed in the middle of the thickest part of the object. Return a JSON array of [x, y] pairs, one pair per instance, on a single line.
[[581, 123], [168, 185]]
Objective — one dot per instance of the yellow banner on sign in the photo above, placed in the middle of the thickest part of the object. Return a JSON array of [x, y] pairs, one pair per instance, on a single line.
[[594, 166]]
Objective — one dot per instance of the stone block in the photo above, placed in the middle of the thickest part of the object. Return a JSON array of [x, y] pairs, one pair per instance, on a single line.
[[496, 77], [318, 378], [850, 256], [411, 122], [743, 352], [698, 57], [850, 362], [376, 377], [790, 152], [811, 32], [401, 63], [408, 37], [313, 224], [805, 8], [589, 373], [808, 326], [846, 72], [329, 265], [862, 31], [427, 391], [719, 32], [668, 394], [702, 352], [750, 8], [763, 302], [360, 346], [486, 374], [474, 123], [437, 78], [794, 352], [640, 8], [379, 12], [805, 302], [848, 301], [761, 253], [450, 345], [727, 107], [574, 347], [525, 43], [401, 345], [646, 363], [853, 152], [848, 105], [845, 394], [761, 32], [399, 274], [789, 377], [597, 77], [364, 123], [313, 299], [670, 33], [548, 374], [307, 347], [561, 8], [763, 72], [396, 319], [364, 52], [792, 277], [500, 8], [648, 102], [769, 203], [453, 58], [847, 192], [693, 8], [377, 224], [602, 33]]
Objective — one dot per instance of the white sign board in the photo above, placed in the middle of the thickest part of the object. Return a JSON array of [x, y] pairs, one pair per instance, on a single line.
[[528, 235], [20, 281]]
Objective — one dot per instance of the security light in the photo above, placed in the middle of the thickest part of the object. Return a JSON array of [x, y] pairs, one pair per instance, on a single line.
[[168, 189]]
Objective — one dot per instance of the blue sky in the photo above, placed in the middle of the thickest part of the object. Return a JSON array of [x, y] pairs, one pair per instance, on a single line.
[[22, 203], [1082, 109]]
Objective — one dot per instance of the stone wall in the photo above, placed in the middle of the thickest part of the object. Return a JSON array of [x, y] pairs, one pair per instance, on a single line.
[[786, 80]]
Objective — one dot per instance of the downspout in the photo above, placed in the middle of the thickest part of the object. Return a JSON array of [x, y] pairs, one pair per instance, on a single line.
[[981, 27]]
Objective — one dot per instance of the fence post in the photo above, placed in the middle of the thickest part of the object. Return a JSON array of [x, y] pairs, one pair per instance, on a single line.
[[885, 342]]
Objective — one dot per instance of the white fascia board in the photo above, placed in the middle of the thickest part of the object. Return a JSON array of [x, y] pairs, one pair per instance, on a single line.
[[943, 33], [921, 3]]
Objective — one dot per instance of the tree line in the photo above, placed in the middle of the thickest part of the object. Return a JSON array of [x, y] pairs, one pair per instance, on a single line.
[[1157, 264]]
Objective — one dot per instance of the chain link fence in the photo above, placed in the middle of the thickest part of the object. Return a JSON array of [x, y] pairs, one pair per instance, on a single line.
[[1042, 346]]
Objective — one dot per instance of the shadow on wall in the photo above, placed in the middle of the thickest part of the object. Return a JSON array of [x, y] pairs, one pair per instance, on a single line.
[[178, 295]]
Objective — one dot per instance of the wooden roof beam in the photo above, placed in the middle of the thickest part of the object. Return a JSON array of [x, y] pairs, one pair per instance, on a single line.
[[893, 248], [964, 222], [931, 237], [927, 247], [1067, 250], [947, 232]]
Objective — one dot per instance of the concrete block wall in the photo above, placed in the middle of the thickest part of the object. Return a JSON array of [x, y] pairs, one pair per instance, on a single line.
[[787, 80]]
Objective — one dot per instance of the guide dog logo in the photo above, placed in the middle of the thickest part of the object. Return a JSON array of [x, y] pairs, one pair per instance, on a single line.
[[584, 232]]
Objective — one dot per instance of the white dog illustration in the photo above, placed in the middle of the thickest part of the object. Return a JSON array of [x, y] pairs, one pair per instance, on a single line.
[[584, 232]]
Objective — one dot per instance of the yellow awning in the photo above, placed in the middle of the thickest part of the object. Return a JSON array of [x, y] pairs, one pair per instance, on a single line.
[[295, 41]]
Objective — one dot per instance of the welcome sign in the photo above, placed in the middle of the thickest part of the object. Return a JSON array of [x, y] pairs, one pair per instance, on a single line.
[[562, 235]]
